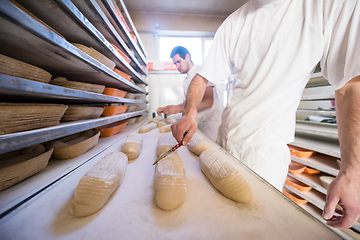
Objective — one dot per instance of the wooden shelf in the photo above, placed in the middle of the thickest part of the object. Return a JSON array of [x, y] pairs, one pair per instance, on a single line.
[[13, 88], [123, 10], [322, 97], [317, 80], [320, 129], [310, 180], [27, 40], [308, 112], [321, 162], [14, 141], [77, 29], [108, 8], [327, 146], [97, 17]]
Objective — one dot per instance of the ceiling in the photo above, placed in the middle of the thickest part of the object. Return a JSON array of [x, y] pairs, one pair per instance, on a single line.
[[200, 7]]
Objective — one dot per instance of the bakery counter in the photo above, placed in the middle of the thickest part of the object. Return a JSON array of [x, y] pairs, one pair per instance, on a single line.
[[131, 212]]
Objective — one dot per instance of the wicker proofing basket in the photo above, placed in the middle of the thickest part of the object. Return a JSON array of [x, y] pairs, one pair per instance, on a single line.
[[16, 68], [16, 117], [63, 82], [95, 54], [77, 149], [74, 113], [13, 174]]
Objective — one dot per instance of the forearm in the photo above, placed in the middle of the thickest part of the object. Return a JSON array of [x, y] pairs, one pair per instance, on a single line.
[[348, 118], [180, 107]]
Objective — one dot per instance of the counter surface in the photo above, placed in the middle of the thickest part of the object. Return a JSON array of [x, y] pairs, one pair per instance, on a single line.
[[132, 213]]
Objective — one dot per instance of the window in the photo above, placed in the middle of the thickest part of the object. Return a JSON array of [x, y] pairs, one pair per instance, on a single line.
[[197, 46]]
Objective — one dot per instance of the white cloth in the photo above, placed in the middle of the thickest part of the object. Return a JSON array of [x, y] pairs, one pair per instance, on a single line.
[[272, 47], [209, 119]]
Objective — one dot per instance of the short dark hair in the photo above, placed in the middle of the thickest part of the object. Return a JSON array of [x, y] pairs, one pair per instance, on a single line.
[[181, 51]]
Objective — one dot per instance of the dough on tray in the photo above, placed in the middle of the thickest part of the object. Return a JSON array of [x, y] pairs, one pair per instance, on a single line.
[[197, 144], [166, 128], [148, 127], [166, 141], [170, 182], [225, 177], [132, 146], [97, 185]]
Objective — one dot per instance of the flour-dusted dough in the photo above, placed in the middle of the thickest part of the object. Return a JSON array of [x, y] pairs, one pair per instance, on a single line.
[[170, 182], [197, 145], [132, 146], [225, 177], [166, 141], [148, 127], [170, 120], [160, 124], [97, 185], [166, 128]]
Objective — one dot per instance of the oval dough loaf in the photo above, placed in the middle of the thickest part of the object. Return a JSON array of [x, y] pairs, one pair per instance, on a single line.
[[170, 182], [197, 145], [170, 120], [166, 141], [132, 146], [225, 177], [166, 128], [97, 185], [148, 127]]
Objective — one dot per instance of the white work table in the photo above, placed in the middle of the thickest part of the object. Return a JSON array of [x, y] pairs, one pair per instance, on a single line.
[[132, 213]]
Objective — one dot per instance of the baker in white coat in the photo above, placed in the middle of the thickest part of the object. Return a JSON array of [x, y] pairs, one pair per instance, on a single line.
[[272, 48], [209, 112]]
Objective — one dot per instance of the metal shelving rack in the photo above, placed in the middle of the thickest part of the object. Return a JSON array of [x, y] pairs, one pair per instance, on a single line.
[[24, 38], [323, 139]]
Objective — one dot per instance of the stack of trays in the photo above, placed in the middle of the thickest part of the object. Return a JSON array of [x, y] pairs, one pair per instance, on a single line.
[[63, 82], [74, 113], [15, 68], [113, 128], [16, 117], [19, 165], [96, 55]]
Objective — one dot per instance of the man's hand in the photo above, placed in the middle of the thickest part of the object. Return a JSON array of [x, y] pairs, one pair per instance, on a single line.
[[345, 189], [345, 192], [170, 109], [187, 124]]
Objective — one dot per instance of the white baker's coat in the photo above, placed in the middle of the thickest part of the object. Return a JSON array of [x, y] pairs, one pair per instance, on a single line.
[[209, 119], [272, 48]]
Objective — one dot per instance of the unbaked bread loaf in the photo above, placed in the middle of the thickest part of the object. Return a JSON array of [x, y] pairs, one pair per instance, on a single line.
[[132, 146], [170, 182], [166, 128], [97, 185], [225, 177], [148, 127], [170, 120], [197, 144], [166, 141]]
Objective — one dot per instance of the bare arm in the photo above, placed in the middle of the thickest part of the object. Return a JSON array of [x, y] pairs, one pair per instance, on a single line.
[[188, 122], [207, 100], [345, 189]]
